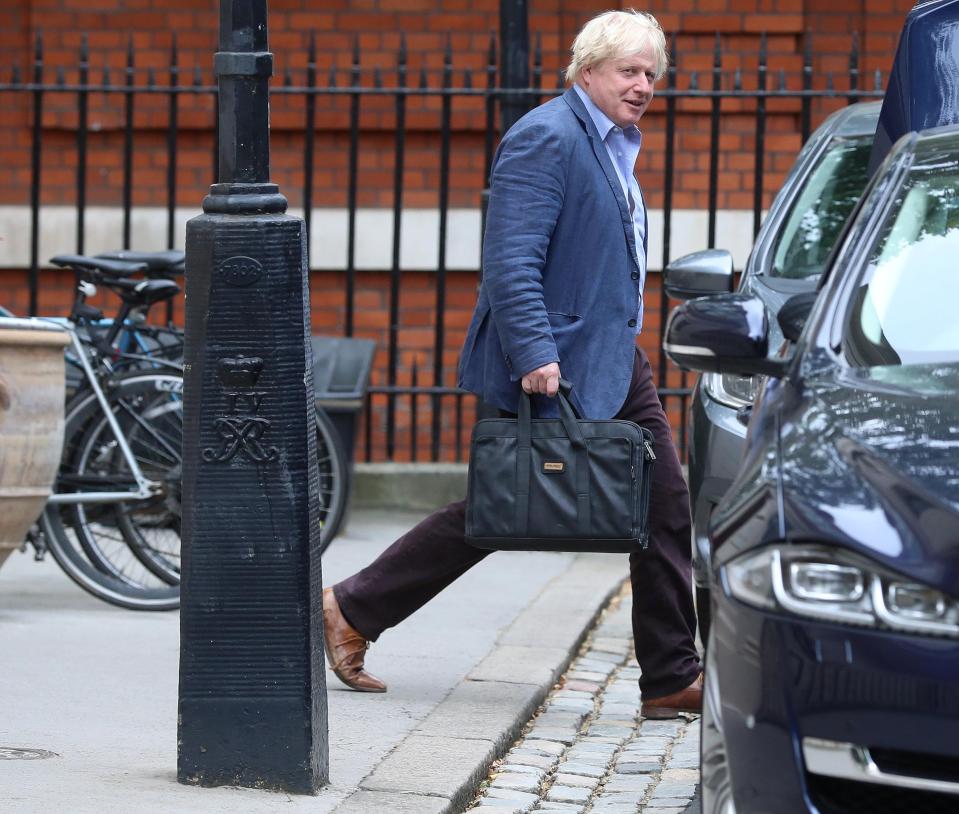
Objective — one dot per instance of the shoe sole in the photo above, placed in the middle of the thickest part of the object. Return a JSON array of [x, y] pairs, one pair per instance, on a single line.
[[353, 686], [666, 714]]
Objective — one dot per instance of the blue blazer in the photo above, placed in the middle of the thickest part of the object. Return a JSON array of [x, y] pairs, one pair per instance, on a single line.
[[560, 276]]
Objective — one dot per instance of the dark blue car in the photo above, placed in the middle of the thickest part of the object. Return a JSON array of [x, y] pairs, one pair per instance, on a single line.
[[832, 674], [832, 667]]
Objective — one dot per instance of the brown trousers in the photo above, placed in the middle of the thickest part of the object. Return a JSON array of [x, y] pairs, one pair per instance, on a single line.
[[433, 554]]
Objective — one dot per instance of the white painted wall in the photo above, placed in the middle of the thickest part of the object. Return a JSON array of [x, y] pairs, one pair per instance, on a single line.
[[374, 239]]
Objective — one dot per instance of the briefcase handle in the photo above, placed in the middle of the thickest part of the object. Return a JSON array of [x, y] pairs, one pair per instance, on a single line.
[[524, 454], [568, 414]]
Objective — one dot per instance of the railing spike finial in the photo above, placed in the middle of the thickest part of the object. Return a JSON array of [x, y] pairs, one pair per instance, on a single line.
[[538, 51], [854, 52], [197, 76], [151, 77], [61, 76], [467, 79], [331, 79], [377, 77], [718, 52], [287, 77], [448, 62], [84, 48], [738, 79], [15, 75], [830, 85], [106, 76], [131, 54], [694, 80], [38, 47], [807, 51], [491, 51], [356, 50], [174, 52], [782, 79], [311, 49], [877, 80], [424, 80], [402, 56]]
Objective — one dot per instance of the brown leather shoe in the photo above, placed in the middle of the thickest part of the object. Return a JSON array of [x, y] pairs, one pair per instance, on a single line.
[[669, 706], [346, 648]]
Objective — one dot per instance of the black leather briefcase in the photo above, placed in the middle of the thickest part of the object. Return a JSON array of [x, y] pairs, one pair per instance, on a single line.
[[558, 484]]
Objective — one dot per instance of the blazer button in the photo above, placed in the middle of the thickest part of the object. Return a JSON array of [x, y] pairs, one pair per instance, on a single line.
[[635, 275], [632, 323]]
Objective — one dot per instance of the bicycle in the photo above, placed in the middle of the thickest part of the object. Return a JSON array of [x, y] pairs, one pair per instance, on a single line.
[[113, 523]]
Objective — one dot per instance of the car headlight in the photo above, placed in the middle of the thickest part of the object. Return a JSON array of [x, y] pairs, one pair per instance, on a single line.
[[731, 389], [832, 585]]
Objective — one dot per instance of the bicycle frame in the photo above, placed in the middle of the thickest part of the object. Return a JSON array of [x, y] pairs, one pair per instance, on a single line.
[[145, 488]]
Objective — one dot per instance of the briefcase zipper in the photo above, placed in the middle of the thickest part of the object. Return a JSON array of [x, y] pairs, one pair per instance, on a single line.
[[650, 455]]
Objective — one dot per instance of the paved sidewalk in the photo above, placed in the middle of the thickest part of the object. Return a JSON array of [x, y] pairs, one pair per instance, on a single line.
[[589, 750], [96, 687]]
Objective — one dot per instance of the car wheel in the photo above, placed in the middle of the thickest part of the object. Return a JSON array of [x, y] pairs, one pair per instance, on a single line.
[[717, 795]]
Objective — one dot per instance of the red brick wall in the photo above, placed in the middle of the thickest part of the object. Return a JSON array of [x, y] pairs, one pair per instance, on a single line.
[[152, 24]]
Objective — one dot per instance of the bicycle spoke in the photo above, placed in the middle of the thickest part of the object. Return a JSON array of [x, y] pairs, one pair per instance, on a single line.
[[170, 444]]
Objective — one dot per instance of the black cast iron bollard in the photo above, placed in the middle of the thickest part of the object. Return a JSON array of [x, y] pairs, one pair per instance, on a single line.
[[252, 706]]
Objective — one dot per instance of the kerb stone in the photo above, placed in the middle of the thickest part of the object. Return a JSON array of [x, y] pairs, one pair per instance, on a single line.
[[444, 767]]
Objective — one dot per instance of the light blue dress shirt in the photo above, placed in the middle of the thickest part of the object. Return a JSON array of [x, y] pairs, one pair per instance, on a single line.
[[623, 147]]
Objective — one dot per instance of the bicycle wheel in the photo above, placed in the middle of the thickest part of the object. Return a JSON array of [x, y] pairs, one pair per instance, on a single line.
[[334, 478], [127, 553], [152, 424]]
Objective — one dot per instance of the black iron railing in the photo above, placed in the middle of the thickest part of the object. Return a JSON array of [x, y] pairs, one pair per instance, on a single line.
[[359, 85]]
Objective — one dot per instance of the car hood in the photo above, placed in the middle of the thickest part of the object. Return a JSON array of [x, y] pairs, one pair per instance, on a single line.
[[871, 462]]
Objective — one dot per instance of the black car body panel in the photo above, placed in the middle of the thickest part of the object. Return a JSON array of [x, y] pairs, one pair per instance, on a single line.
[[923, 90], [717, 428]]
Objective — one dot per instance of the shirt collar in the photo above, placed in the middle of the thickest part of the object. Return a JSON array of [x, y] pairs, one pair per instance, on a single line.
[[603, 123]]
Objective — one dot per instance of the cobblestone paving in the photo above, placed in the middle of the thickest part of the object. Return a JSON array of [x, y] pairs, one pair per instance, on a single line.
[[588, 751]]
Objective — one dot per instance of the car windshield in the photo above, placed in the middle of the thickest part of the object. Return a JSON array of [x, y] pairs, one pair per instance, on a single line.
[[818, 215], [903, 312]]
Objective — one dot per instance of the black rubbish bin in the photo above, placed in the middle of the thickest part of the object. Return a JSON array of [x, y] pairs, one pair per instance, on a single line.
[[341, 374]]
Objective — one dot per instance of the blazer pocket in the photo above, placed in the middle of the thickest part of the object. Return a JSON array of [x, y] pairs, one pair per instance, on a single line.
[[563, 326], [561, 317]]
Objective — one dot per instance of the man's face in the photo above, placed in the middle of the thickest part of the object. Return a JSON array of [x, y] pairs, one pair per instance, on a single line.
[[622, 88]]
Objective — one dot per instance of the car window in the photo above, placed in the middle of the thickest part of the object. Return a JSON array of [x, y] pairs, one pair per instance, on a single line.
[[818, 214], [903, 311]]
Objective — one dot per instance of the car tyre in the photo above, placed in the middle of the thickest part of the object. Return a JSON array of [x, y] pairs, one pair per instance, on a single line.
[[716, 786]]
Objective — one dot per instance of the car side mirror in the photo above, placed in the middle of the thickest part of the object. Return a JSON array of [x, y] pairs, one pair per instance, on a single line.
[[794, 313], [699, 274], [724, 333]]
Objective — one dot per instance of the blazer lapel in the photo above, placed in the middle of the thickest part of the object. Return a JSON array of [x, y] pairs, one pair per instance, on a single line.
[[602, 156]]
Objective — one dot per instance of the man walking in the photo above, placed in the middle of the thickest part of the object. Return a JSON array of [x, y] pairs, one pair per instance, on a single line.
[[563, 269]]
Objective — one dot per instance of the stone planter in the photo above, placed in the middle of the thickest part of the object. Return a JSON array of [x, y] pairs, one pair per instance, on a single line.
[[31, 422]]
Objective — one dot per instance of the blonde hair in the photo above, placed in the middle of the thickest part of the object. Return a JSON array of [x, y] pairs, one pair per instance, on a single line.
[[616, 34]]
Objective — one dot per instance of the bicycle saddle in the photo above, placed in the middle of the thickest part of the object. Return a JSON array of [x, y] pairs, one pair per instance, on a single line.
[[114, 268], [141, 292], [169, 262]]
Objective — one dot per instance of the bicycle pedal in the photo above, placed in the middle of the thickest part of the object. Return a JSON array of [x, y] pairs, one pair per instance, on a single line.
[[35, 538]]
